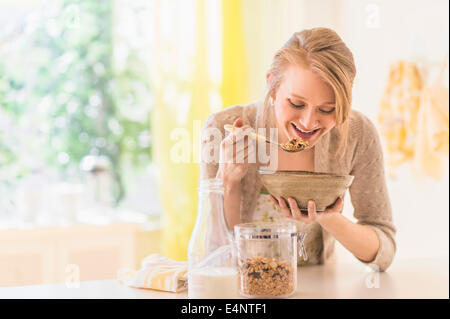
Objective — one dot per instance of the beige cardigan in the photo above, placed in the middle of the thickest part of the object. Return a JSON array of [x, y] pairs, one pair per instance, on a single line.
[[363, 158]]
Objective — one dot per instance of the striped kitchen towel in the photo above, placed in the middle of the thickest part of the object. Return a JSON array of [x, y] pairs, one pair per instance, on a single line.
[[157, 272]]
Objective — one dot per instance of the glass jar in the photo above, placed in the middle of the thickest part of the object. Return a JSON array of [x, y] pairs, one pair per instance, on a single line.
[[212, 270], [267, 258]]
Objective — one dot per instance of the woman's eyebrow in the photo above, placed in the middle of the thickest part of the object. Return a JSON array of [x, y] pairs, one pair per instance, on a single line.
[[301, 97]]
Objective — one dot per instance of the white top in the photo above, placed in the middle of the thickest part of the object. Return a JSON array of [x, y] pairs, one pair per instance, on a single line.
[[414, 278]]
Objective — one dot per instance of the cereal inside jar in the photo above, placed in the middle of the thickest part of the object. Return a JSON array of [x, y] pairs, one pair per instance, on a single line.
[[267, 259]]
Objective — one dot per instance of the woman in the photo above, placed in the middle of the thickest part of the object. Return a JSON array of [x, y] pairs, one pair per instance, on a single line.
[[309, 96]]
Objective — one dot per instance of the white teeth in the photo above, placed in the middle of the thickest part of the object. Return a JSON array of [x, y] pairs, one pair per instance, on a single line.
[[310, 132]]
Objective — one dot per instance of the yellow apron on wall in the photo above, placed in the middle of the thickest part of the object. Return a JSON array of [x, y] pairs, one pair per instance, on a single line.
[[398, 113], [414, 121]]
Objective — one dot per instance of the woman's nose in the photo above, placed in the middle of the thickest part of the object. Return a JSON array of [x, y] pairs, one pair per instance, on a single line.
[[308, 119]]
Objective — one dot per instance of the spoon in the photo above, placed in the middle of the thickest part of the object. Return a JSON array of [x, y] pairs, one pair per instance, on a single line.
[[294, 145]]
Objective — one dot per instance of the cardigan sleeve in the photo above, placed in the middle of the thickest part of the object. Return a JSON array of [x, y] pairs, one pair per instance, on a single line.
[[369, 194], [211, 137]]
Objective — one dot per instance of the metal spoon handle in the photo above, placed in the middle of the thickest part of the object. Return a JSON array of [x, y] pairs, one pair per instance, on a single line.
[[257, 137]]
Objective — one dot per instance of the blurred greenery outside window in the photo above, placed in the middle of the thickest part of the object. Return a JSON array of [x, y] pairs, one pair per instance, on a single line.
[[74, 83]]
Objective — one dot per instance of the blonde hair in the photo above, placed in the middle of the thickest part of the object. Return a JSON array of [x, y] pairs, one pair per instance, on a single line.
[[324, 52]]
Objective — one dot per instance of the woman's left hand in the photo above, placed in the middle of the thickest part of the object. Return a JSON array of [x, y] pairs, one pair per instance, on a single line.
[[292, 211]]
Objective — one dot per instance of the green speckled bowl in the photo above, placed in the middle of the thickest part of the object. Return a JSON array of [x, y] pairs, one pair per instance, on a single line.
[[322, 188]]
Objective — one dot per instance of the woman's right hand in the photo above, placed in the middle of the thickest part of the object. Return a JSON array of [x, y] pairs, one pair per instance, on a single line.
[[235, 151]]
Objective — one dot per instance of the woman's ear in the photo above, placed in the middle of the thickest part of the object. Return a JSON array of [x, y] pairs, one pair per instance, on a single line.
[[269, 79]]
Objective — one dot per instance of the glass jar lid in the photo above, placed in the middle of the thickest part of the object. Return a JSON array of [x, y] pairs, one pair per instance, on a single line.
[[263, 230]]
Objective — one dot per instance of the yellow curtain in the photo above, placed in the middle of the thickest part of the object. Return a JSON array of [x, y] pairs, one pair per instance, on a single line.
[[186, 92], [234, 83]]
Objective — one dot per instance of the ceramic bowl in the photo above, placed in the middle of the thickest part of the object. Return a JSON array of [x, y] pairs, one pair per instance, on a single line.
[[322, 188]]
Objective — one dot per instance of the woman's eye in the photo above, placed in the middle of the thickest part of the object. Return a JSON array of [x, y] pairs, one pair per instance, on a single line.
[[327, 111], [297, 106]]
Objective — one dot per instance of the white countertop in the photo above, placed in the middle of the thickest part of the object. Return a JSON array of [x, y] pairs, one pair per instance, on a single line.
[[415, 278]]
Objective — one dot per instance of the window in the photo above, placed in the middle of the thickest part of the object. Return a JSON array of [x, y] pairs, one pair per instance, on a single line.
[[74, 83]]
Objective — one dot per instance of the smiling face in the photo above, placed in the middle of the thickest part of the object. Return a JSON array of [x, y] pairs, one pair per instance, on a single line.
[[305, 105]]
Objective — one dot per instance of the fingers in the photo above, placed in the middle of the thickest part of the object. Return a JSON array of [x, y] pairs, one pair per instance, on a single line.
[[239, 129], [293, 211], [230, 143], [336, 207], [279, 203], [237, 152], [241, 133], [284, 208], [274, 200], [296, 212], [247, 154], [236, 147], [237, 135], [312, 213], [238, 122]]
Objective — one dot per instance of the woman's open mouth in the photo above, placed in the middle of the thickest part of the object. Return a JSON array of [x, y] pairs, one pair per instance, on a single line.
[[305, 135]]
